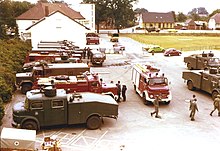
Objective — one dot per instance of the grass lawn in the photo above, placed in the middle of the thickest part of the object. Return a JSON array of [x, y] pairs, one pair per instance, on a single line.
[[181, 42]]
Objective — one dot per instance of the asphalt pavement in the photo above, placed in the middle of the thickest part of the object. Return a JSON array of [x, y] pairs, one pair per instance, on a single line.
[[135, 129]]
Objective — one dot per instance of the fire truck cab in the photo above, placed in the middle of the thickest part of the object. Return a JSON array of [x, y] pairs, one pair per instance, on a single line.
[[149, 82]]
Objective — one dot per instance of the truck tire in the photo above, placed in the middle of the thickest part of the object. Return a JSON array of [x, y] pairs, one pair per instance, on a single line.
[[189, 67], [146, 102], [214, 94], [25, 87], [29, 124], [166, 103], [190, 85], [93, 122]]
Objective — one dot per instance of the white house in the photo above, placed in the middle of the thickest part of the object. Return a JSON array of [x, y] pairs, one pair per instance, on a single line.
[[57, 27], [87, 11], [41, 14], [214, 22]]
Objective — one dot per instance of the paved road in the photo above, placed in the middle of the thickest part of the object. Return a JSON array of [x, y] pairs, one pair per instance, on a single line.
[[135, 129]]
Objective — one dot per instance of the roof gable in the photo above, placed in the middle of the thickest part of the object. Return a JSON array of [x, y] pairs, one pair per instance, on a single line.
[[51, 15], [39, 11], [216, 17], [154, 17]]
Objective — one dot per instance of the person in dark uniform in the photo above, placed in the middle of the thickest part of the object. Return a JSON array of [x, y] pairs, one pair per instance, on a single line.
[[193, 108], [123, 92], [119, 90], [84, 53], [156, 106], [88, 52], [216, 105]]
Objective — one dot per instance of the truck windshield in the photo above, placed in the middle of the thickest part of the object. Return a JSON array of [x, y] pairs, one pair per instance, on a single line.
[[214, 61], [157, 80]]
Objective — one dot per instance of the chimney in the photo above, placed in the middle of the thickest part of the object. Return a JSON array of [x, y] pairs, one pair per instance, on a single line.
[[46, 11]]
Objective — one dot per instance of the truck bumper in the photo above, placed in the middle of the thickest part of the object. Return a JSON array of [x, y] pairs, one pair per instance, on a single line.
[[162, 100], [16, 125]]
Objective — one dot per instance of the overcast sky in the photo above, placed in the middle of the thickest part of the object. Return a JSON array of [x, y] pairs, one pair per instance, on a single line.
[[168, 5]]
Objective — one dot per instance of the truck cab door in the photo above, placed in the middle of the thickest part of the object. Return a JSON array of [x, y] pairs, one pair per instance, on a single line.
[[142, 83], [206, 83], [55, 113], [214, 83], [95, 87], [37, 110], [200, 63]]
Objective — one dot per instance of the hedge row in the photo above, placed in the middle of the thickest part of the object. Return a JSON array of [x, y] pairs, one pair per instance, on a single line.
[[12, 55]]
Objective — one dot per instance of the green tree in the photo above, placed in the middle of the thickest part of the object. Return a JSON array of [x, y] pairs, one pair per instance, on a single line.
[[118, 13], [2, 111], [214, 12], [180, 17], [8, 11]]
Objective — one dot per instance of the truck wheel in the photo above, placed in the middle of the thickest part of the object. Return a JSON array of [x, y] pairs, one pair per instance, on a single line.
[[189, 67], [93, 122], [145, 101], [30, 125], [190, 85], [168, 102], [25, 87], [214, 95], [135, 89]]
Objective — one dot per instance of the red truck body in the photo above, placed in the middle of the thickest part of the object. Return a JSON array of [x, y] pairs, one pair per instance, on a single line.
[[86, 82], [51, 57], [149, 82]]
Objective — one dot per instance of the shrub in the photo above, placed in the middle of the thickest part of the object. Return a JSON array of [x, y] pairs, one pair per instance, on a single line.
[[2, 111]]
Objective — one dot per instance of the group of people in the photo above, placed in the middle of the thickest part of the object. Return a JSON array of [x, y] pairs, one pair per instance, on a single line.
[[193, 107], [121, 91]]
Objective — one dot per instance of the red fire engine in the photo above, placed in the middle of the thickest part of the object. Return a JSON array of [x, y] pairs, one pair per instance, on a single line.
[[53, 57], [149, 82], [86, 82]]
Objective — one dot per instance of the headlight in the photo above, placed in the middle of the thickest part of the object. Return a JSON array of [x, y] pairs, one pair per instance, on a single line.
[[151, 96]]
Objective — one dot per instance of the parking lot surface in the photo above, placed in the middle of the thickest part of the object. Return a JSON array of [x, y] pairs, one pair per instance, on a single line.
[[135, 129]]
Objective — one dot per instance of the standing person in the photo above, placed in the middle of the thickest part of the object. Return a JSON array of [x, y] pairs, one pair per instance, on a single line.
[[84, 53], [156, 106], [193, 108], [119, 91], [216, 105], [88, 52], [123, 93]]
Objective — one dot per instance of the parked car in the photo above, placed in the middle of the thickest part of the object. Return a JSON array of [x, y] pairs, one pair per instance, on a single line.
[[153, 29], [114, 37], [172, 52], [155, 49], [92, 38], [117, 47]]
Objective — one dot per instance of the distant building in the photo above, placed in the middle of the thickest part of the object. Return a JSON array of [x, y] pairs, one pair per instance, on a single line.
[[155, 19], [190, 24], [214, 22]]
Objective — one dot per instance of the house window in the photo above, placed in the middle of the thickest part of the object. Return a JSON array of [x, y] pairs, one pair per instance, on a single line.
[[58, 23]]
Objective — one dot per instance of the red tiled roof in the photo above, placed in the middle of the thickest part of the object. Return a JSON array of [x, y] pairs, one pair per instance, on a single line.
[[154, 17], [216, 17], [38, 11]]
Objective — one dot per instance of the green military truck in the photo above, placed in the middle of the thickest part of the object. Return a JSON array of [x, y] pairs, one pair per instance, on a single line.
[[206, 80], [201, 61], [50, 107]]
